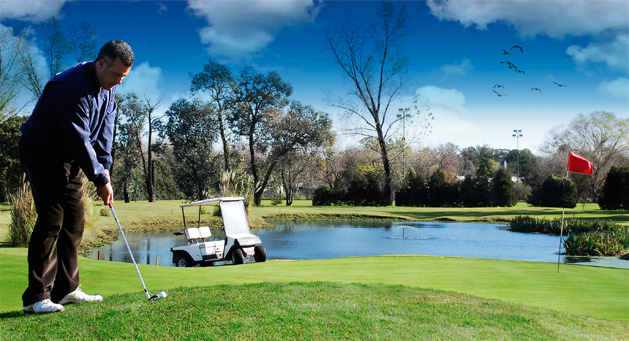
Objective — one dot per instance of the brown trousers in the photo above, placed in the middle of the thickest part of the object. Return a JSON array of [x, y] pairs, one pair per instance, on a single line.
[[53, 269]]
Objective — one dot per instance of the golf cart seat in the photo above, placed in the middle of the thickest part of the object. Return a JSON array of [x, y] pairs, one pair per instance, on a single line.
[[192, 234], [204, 232], [197, 234]]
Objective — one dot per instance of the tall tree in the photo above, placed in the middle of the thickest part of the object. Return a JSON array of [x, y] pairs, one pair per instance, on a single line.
[[296, 135], [10, 75], [191, 132], [128, 141], [10, 168], [32, 75], [370, 59], [257, 98], [216, 80], [82, 42], [139, 121], [55, 46], [600, 137]]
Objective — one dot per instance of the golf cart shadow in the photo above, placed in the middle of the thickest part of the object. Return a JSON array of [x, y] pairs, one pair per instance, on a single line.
[[237, 245]]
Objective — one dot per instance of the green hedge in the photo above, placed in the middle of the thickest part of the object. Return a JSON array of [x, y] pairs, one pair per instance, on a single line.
[[584, 237]]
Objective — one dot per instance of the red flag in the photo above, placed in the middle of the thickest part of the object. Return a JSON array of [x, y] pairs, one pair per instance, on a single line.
[[579, 164]]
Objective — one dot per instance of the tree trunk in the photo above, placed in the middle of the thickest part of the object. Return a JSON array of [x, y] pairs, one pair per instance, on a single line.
[[226, 155], [387, 188], [150, 170]]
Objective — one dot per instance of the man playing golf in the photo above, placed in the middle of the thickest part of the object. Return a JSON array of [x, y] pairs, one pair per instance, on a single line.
[[70, 132]]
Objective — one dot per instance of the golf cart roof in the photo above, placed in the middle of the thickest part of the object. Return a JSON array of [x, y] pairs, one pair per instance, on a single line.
[[212, 200]]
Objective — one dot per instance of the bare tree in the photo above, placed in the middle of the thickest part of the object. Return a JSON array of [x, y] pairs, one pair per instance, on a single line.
[[55, 46], [83, 42], [10, 46], [369, 59], [600, 137]]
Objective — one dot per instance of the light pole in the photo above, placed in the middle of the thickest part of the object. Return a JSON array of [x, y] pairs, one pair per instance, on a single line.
[[517, 133], [403, 115]]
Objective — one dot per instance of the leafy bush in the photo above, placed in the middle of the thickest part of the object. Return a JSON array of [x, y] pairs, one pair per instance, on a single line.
[[440, 192], [414, 191], [555, 192], [325, 196], [598, 243], [502, 189], [615, 193], [585, 237]]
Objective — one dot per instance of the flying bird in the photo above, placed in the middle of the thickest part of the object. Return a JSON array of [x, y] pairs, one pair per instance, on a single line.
[[498, 86], [499, 94], [538, 89], [505, 51], [511, 65], [559, 85], [517, 47], [520, 71]]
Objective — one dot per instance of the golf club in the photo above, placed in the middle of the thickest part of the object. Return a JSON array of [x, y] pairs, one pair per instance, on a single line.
[[148, 295]]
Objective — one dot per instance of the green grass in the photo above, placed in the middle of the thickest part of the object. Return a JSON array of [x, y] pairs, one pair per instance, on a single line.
[[371, 297], [585, 290], [316, 310]]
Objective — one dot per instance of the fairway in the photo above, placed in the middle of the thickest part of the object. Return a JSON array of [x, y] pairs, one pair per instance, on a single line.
[[583, 290]]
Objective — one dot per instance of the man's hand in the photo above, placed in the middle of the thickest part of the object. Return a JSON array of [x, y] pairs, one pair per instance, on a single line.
[[106, 192]]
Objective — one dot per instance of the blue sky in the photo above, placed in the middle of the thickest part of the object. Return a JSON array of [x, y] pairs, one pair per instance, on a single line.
[[455, 49]]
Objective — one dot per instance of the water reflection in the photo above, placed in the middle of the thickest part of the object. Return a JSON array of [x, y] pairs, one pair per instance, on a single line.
[[318, 240]]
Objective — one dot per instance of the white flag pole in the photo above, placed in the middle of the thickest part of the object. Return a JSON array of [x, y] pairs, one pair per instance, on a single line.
[[563, 211]]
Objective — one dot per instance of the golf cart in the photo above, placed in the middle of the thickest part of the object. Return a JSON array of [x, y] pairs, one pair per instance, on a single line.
[[204, 249]]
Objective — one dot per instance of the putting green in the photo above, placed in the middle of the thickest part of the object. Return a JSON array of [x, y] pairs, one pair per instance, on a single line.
[[600, 292]]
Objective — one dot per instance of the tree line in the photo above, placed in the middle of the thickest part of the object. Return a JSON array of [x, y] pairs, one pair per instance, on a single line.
[[240, 132]]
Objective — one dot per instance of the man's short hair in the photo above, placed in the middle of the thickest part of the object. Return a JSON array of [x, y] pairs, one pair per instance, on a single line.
[[116, 49]]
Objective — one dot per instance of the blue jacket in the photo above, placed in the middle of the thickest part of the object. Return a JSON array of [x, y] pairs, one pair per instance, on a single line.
[[74, 117]]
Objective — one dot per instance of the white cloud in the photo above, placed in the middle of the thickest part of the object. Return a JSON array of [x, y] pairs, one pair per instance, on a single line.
[[30, 10], [616, 88], [451, 100], [237, 29], [615, 54], [144, 80], [556, 18], [457, 69], [450, 123]]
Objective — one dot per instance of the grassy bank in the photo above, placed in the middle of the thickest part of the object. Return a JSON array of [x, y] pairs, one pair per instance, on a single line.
[[317, 310], [166, 215], [600, 292]]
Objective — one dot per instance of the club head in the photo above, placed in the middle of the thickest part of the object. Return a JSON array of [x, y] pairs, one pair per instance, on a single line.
[[160, 295]]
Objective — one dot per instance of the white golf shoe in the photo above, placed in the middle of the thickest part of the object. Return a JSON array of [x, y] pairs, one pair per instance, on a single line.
[[43, 307], [78, 296]]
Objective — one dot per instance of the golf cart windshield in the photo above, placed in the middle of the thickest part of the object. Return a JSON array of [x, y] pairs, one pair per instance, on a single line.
[[234, 217]]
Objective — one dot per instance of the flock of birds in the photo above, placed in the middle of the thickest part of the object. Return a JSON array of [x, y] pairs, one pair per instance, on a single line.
[[510, 65]]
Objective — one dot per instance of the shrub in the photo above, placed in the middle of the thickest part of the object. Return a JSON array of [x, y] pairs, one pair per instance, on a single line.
[[325, 196], [615, 192], [555, 192], [440, 192], [584, 237], [502, 189], [414, 191], [365, 190], [23, 217]]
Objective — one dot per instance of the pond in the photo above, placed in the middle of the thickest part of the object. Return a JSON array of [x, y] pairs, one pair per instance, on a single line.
[[319, 240]]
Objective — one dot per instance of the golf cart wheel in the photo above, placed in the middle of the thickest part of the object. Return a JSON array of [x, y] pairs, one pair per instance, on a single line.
[[259, 253], [237, 257], [183, 261]]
